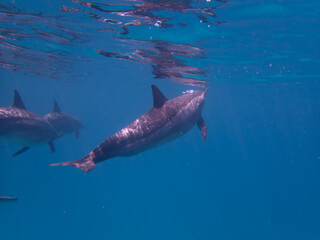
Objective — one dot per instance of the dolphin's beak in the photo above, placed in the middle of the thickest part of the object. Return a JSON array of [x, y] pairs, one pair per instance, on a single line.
[[205, 91]]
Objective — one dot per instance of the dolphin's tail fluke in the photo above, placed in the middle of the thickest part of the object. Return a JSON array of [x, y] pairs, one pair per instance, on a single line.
[[85, 164]]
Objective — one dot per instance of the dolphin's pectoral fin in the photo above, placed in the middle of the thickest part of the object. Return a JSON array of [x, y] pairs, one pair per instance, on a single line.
[[77, 134], [52, 148], [22, 150], [203, 128]]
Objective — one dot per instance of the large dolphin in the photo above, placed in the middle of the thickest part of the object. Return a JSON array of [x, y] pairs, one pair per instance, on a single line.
[[7, 199], [167, 120], [63, 123], [24, 127]]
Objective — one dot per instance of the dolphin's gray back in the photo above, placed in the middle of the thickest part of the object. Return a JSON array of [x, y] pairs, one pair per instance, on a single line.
[[154, 128], [14, 112], [167, 120], [25, 126], [63, 123]]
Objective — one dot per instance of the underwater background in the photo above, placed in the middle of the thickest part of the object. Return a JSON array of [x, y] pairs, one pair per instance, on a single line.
[[256, 177]]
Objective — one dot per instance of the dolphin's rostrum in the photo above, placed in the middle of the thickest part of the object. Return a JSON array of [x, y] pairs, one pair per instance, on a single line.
[[167, 120]]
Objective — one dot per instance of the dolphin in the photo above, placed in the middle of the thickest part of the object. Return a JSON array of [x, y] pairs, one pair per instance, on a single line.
[[63, 123], [7, 199], [24, 127], [167, 120]]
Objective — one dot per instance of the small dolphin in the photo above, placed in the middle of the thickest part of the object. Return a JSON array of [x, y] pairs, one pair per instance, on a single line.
[[63, 123], [24, 127], [167, 120], [7, 199]]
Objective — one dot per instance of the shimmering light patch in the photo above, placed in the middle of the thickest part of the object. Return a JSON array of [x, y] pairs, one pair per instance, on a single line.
[[150, 25], [156, 33], [165, 60], [35, 43]]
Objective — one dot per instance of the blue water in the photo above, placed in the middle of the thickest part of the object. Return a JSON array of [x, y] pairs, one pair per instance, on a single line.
[[256, 177]]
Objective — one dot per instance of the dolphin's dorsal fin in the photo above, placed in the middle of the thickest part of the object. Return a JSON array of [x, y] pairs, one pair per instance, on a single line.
[[158, 98], [17, 101], [56, 107]]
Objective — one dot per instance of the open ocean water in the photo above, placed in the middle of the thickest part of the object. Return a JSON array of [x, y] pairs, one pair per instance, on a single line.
[[256, 177]]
